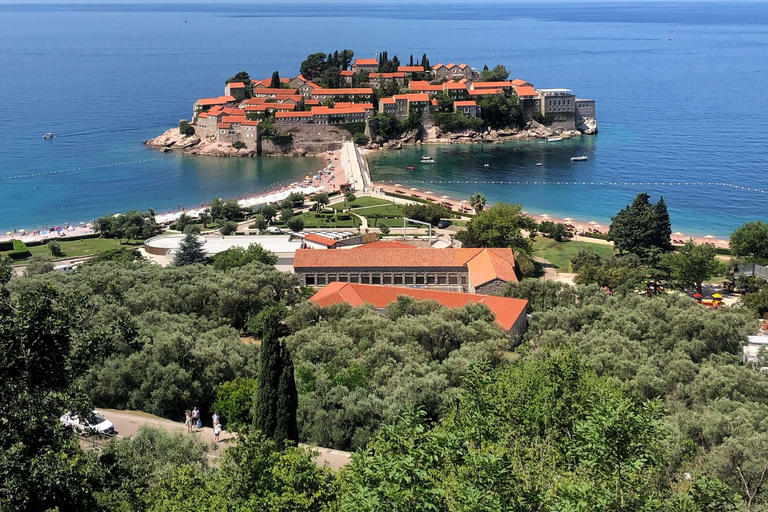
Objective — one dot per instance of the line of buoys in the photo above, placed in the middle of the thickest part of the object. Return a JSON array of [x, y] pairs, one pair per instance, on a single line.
[[86, 168], [595, 183]]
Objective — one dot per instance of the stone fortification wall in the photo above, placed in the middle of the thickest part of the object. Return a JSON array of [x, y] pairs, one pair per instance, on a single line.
[[306, 138]]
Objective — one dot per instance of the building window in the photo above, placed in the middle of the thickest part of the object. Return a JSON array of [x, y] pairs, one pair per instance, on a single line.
[[354, 278], [453, 279], [398, 279], [408, 278], [331, 278], [310, 280], [442, 279], [321, 280], [419, 279], [343, 278], [387, 280], [431, 279], [375, 279], [365, 279]]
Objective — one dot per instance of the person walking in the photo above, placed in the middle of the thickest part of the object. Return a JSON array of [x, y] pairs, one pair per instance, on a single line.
[[188, 416], [196, 417], [216, 430], [215, 418]]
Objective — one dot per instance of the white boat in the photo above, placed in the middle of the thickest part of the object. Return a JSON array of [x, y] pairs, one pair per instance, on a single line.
[[579, 158], [554, 139], [48, 135], [538, 164], [427, 160]]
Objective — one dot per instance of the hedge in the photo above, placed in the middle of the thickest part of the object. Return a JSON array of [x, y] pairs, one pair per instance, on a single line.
[[20, 250]]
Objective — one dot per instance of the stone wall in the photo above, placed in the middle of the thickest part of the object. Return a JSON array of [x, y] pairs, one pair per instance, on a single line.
[[306, 138], [493, 287]]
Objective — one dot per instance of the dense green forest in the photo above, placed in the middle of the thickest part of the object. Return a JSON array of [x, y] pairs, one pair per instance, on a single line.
[[609, 402]]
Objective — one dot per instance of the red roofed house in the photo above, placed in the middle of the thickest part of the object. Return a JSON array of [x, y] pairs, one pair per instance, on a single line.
[[410, 70], [509, 313], [344, 94], [518, 82], [365, 65], [205, 104], [236, 90], [425, 87], [454, 71], [504, 85], [469, 108], [455, 90], [395, 107], [379, 80], [526, 92], [346, 77], [342, 113], [468, 270], [299, 116]]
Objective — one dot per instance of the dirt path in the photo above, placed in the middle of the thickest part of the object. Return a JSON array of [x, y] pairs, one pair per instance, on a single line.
[[127, 423]]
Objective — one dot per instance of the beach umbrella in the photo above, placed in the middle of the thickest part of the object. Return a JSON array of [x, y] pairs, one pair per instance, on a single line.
[[414, 188], [463, 201], [398, 184], [593, 223], [709, 236], [598, 226], [717, 296], [445, 197], [89, 225], [82, 223], [429, 192], [22, 231], [677, 233], [696, 295], [8, 233], [545, 216], [567, 219]]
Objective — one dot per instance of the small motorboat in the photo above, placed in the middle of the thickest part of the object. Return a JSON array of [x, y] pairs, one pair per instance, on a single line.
[[48, 135], [486, 165], [538, 164], [427, 160], [554, 139], [579, 158], [410, 167]]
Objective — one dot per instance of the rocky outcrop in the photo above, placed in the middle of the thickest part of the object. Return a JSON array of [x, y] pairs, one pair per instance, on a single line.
[[173, 139], [586, 125]]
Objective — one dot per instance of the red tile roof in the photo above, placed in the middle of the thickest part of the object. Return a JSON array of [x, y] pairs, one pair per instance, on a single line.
[[387, 75], [483, 265], [223, 125], [236, 85], [221, 100], [366, 62], [344, 91], [300, 113], [518, 82], [202, 114], [526, 90], [483, 92], [256, 108], [453, 86], [388, 101], [507, 310], [310, 102], [423, 85], [467, 103], [386, 245], [232, 119], [411, 69], [319, 239], [250, 123], [492, 85], [412, 97], [355, 108], [347, 72]]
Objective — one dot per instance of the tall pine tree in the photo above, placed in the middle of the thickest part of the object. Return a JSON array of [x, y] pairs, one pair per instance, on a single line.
[[410, 62], [276, 397], [269, 373], [287, 402], [275, 82], [641, 227], [662, 229], [190, 251]]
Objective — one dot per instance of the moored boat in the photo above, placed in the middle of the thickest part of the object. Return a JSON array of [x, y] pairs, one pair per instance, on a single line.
[[554, 139], [48, 135], [427, 160], [579, 158]]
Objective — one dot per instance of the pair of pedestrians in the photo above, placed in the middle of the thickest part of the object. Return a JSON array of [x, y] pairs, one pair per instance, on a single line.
[[193, 422]]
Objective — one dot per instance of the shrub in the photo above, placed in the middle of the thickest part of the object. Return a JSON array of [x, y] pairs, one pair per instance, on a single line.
[[54, 247], [238, 144], [186, 129], [354, 128], [361, 139], [20, 250], [228, 227], [296, 224], [234, 400]]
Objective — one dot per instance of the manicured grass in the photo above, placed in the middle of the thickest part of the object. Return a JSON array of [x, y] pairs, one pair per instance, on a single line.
[[312, 221], [360, 202], [83, 247], [388, 210], [560, 253]]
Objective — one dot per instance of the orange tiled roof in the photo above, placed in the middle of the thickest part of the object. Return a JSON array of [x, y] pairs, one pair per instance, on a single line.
[[366, 62], [256, 108], [387, 75], [526, 90], [468, 103], [319, 239], [250, 123], [232, 119], [236, 85], [483, 92], [483, 265], [310, 102], [411, 69], [394, 244], [492, 85], [300, 113], [348, 91], [202, 114], [455, 86], [223, 125], [423, 85], [518, 82], [233, 112], [356, 108], [347, 72], [221, 100], [507, 310], [388, 101], [412, 97]]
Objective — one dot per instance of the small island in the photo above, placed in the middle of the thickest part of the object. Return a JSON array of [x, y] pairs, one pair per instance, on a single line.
[[377, 103]]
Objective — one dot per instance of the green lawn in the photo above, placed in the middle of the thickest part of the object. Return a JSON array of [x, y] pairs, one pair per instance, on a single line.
[[560, 253], [361, 202], [312, 221], [83, 247]]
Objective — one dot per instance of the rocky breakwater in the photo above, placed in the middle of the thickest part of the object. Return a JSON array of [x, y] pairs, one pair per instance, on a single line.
[[173, 140]]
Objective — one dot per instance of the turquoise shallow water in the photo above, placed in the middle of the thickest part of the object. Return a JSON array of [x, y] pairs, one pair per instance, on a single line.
[[104, 78]]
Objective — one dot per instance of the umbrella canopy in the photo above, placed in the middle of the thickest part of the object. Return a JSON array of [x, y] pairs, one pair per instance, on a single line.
[[8, 233], [445, 197], [709, 236], [593, 222], [717, 296], [598, 226], [545, 216], [463, 201], [567, 219], [414, 188], [677, 233], [429, 192], [22, 231], [697, 295], [398, 184], [89, 225]]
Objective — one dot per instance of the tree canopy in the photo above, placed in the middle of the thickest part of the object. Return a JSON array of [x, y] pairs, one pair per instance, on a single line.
[[641, 227], [750, 240]]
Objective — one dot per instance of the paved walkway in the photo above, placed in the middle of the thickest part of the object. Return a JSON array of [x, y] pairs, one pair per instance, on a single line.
[[127, 423]]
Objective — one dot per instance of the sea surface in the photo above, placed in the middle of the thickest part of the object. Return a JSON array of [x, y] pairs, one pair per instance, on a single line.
[[680, 88]]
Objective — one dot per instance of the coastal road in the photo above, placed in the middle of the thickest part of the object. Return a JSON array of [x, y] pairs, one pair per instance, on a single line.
[[127, 423]]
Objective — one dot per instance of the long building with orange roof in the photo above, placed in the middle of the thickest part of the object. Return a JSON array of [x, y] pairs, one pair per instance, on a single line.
[[510, 314], [466, 270]]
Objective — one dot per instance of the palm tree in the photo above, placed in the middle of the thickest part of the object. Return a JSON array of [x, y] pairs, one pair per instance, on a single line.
[[477, 200]]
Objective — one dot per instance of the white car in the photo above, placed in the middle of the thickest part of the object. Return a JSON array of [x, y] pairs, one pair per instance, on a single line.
[[274, 230], [94, 423]]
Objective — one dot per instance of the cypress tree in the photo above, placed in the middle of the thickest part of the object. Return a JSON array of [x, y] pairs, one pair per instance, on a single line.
[[336, 62], [410, 62], [662, 229], [344, 60], [424, 62], [287, 402], [269, 374], [275, 82]]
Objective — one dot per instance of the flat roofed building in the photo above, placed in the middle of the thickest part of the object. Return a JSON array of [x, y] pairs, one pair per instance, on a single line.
[[468, 270], [510, 313], [555, 101]]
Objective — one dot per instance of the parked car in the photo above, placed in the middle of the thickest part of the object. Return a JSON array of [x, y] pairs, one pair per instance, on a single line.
[[274, 230], [94, 423], [443, 224]]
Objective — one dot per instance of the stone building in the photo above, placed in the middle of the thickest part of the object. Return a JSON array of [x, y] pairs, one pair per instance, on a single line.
[[353, 94], [205, 104], [466, 270], [557, 101], [236, 90], [346, 77], [454, 71], [379, 80], [585, 108], [468, 107], [365, 65], [510, 313]]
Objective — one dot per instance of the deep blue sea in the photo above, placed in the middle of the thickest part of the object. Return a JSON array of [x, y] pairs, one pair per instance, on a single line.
[[106, 77]]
